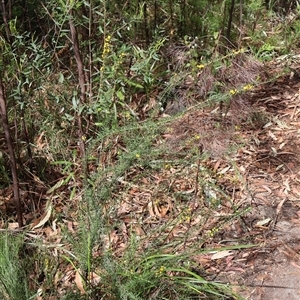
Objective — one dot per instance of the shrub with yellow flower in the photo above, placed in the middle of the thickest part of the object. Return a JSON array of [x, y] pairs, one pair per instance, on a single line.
[[106, 46]]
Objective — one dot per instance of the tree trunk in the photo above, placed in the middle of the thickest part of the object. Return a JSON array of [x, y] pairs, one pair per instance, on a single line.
[[81, 81], [9, 142]]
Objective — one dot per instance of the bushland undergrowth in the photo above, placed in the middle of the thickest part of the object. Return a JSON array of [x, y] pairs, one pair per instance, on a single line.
[[116, 205]]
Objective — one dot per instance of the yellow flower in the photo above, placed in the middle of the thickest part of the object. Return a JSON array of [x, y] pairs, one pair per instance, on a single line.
[[137, 155], [187, 218], [200, 66], [106, 47], [248, 87], [212, 232], [242, 50], [233, 92], [161, 270]]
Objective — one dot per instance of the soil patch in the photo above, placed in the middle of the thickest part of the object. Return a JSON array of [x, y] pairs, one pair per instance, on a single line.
[[267, 163]]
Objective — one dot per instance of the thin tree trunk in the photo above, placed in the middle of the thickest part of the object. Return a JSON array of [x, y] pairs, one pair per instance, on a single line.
[[182, 21], [241, 29], [230, 18], [9, 142], [81, 81], [172, 29], [146, 27], [5, 21]]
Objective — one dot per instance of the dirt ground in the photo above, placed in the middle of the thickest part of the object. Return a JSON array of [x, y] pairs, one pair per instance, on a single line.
[[271, 170], [268, 166]]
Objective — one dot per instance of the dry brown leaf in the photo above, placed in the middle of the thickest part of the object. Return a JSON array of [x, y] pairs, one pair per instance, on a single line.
[[139, 230], [13, 225], [216, 165], [287, 186], [133, 191], [94, 279], [70, 226], [263, 223], [79, 282], [223, 171], [113, 237], [38, 142], [279, 206], [150, 209], [163, 211], [267, 188], [222, 254], [44, 218], [124, 208]]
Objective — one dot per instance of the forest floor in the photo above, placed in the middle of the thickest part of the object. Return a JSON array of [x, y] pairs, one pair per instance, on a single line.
[[272, 174], [269, 165], [241, 201]]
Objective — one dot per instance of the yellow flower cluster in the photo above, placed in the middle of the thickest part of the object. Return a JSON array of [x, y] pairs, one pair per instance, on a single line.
[[201, 66], [242, 50], [106, 46], [122, 54], [245, 88], [248, 87], [233, 92], [213, 231], [161, 270]]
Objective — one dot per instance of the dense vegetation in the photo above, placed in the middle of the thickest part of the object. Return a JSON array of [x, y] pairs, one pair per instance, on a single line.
[[91, 90]]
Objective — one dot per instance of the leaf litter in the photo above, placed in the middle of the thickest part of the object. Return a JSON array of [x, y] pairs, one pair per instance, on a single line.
[[227, 191]]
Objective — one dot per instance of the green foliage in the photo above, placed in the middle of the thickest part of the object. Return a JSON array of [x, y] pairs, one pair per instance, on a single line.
[[13, 276], [128, 69], [154, 275]]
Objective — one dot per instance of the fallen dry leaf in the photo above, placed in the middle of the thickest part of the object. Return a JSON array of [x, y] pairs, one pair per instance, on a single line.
[[222, 254], [79, 282]]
